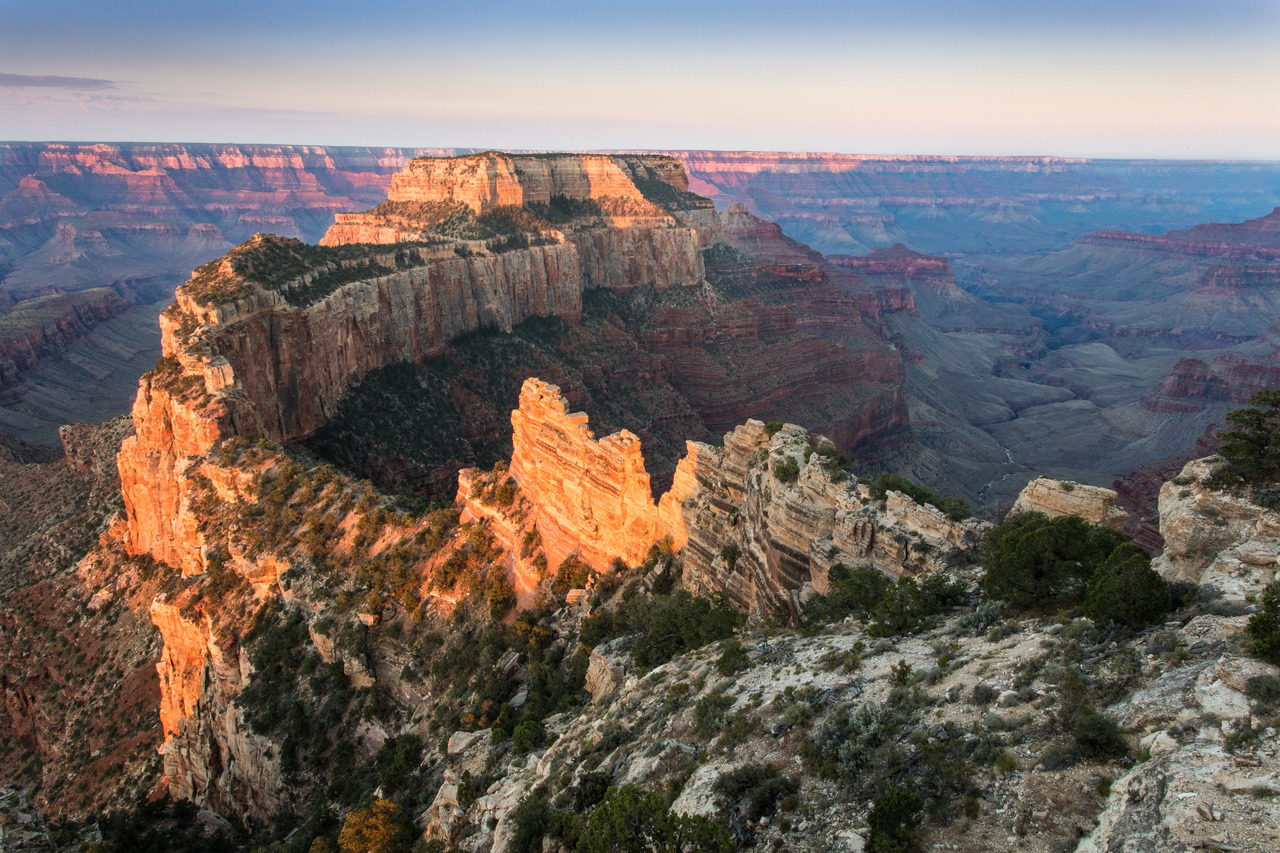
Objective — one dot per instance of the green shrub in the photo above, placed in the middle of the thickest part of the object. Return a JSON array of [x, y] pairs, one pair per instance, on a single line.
[[528, 736], [1097, 737], [1032, 560], [904, 607], [754, 789], [983, 694], [673, 624], [903, 610], [846, 744], [632, 820], [854, 591], [1264, 689], [532, 819], [1252, 448], [894, 822], [573, 573], [772, 427], [787, 470], [1125, 589], [1264, 627], [711, 714], [733, 659], [956, 509], [730, 555], [597, 628]]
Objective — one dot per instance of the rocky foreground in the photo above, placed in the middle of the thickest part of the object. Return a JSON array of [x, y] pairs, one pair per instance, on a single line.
[[975, 701]]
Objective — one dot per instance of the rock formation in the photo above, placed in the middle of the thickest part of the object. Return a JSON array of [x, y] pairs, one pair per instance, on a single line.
[[1055, 498], [767, 516], [1197, 784], [262, 342], [629, 240], [1213, 535], [1230, 377], [210, 755], [591, 497], [763, 518]]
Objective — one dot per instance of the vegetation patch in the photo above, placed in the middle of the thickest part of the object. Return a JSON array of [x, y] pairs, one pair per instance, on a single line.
[[1036, 561], [956, 509], [906, 606], [663, 626]]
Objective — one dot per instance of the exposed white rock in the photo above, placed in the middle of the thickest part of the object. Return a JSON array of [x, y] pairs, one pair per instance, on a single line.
[[1057, 498]]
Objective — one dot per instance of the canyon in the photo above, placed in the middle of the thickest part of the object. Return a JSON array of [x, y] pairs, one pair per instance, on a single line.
[[264, 342], [959, 206], [994, 288], [464, 630]]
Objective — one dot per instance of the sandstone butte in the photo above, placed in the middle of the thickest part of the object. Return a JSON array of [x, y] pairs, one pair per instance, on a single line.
[[1055, 498], [261, 343], [249, 353]]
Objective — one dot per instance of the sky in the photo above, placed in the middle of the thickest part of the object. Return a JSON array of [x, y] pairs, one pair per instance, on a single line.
[[1184, 79]]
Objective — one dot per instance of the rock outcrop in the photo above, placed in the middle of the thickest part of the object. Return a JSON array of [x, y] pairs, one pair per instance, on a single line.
[[263, 342], [1229, 377], [1139, 491], [1056, 498], [248, 353], [1211, 535], [757, 238], [764, 518], [1198, 788], [210, 755], [628, 241], [592, 497], [768, 515]]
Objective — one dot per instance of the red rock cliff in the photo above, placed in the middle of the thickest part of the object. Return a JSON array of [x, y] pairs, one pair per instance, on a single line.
[[646, 226], [262, 342], [746, 526]]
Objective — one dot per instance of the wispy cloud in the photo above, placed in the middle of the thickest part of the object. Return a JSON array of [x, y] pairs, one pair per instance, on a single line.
[[49, 81]]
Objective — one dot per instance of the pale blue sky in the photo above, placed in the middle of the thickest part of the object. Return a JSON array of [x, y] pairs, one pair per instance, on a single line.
[[1161, 78]]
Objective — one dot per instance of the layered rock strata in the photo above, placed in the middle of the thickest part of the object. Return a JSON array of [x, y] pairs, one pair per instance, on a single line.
[[768, 515], [631, 240], [249, 352], [37, 328], [592, 496], [1215, 536], [210, 755], [764, 518], [262, 342]]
